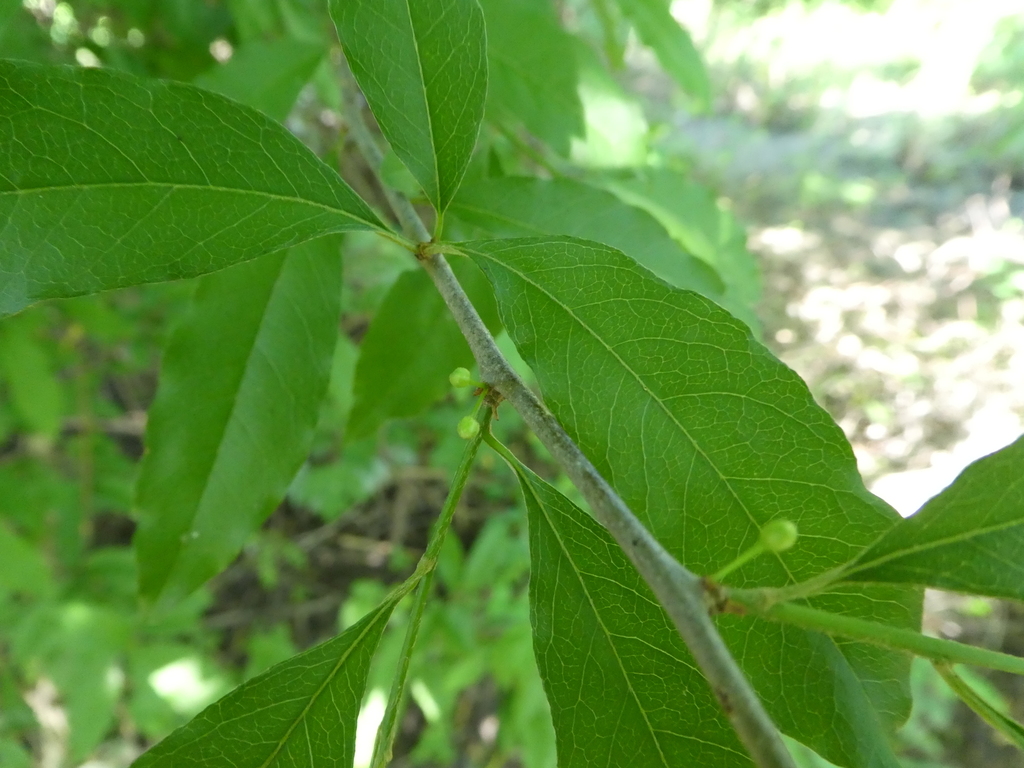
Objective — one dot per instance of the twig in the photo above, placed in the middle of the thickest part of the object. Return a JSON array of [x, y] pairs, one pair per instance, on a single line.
[[131, 424], [243, 617], [679, 590], [384, 743]]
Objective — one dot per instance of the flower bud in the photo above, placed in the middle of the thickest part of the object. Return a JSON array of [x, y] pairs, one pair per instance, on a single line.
[[779, 535], [460, 377], [468, 428]]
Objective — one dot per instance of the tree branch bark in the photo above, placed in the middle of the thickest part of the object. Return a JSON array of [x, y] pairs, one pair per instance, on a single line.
[[679, 590]]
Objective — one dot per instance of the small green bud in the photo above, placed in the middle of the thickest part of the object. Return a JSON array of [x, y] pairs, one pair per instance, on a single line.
[[779, 535], [468, 427], [460, 377]]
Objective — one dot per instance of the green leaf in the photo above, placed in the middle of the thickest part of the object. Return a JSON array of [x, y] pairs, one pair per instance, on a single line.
[[708, 437], [1007, 727], [265, 74], [266, 19], [689, 213], [118, 180], [300, 713], [234, 413], [623, 688], [532, 77], [22, 566], [672, 44], [411, 346], [513, 207], [422, 65], [25, 364], [616, 129], [968, 538], [13, 754]]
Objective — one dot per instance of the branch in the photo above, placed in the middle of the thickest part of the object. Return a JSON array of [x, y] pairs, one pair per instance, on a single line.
[[679, 590]]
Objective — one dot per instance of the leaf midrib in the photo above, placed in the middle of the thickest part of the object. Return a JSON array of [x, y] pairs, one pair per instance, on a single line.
[[382, 609], [646, 389], [233, 409], [526, 482], [188, 187], [955, 539], [428, 109], [489, 213], [312, 699]]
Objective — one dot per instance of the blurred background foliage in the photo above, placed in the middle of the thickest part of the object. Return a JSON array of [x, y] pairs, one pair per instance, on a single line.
[[872, 150]]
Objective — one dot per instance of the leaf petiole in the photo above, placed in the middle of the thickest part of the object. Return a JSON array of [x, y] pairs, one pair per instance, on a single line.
[[936, 649], [745, 557], [397, 239], [501, 450], [776, 536]]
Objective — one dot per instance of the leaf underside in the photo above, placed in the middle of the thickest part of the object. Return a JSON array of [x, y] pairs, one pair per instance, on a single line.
[[120, 180], [422, 66], [299, 714], [516, 207], [708, 437], [969, 538], [622, 686], [240, 389]]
